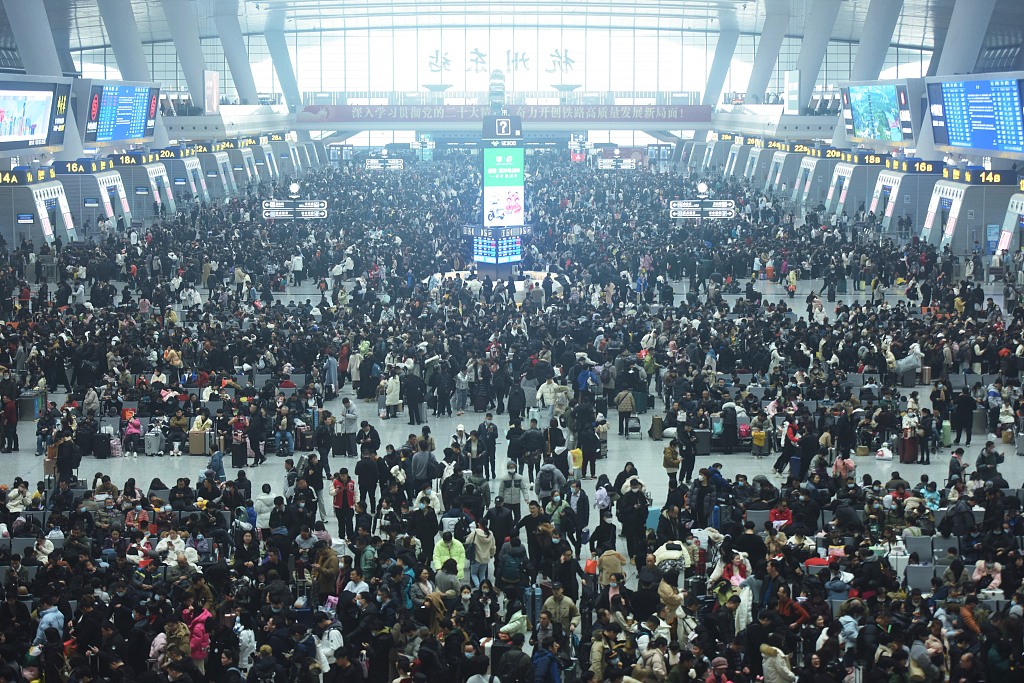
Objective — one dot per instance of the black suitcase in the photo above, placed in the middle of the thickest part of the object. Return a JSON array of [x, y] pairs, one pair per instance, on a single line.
[[101, 446], [703, 441], [338, 445], [480, 401], [695, 585], [238, 455], [601, 406]]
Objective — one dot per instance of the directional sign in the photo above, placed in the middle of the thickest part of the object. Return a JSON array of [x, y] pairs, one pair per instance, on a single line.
[[385, 164], [702, 208], [616, 164], [290, 209]]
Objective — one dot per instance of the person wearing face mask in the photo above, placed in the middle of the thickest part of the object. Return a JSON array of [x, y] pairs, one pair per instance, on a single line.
[[422, 524]]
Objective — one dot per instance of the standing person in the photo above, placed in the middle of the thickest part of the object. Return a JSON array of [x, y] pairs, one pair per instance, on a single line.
[[10, 413], [314, 476], [487, 432], [343, 493], [257, 433], [323, 439], [349, 426], [368, 474], [625, 405], [511, 490], [687, 441], [963, 415], [590, 443]]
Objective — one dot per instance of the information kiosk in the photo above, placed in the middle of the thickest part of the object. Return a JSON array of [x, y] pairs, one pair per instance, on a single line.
[[815, 175], [695, 161], [187, 179], [287, 154], [33, 205], [266, 163], [759, 161], [717, 151], [1011, 237], [736, 161], [213, 159], [94, 191], [903, 190], [784, 168], [968, 206], [853, 181], [146, 181], [243, 162]]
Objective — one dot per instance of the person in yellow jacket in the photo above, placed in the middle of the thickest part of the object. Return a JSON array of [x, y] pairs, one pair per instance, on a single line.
[[450, 548]]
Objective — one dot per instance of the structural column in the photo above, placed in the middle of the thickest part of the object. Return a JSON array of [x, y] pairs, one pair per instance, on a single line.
[[728, 36], [184, 28], [959, 56], [119, 20], [39, 55], [226, 19], [776, 24], [818, 26], [875, 39], [278, 47]]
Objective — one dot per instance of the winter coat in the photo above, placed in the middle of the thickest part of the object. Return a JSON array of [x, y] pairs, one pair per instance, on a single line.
[[392, 396], [199, 639], [776, 665]]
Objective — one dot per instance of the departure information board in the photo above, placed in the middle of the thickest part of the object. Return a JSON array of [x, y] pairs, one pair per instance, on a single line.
[[121, 112], [982, 114]]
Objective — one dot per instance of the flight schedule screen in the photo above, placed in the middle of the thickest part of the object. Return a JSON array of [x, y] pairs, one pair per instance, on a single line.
[[983, 114]]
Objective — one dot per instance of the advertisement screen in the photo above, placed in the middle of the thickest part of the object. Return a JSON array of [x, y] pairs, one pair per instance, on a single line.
[[121, 112], [27, 114], [503, 178], [877, 112], [983, 114]]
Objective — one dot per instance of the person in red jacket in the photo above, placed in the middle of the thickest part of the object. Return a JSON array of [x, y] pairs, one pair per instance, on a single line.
[[343, 492], [791, 611]]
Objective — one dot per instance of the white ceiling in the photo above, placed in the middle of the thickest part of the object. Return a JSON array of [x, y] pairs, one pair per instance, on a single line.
[[920, 21]]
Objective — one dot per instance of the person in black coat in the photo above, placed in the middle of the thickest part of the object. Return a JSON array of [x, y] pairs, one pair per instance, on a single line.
[[516, 403], [414, 393]]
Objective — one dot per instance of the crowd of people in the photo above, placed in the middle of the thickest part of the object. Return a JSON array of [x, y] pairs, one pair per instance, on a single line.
[[449, 558]]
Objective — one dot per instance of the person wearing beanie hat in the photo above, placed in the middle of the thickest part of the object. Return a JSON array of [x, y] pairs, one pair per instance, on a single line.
[[511, 490]]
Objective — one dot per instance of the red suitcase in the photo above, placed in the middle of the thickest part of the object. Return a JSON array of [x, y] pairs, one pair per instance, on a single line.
[[908, 450]]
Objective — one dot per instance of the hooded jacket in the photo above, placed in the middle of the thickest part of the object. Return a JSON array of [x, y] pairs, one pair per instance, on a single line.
[[776, 665]]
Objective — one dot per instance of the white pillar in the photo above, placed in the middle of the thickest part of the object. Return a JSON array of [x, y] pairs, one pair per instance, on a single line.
[[817, 32], [225, 17], [119, 20], [776, 24], [39, 55], [959, 56], [184, 29], [728, 36], [278, 47], [875, 39]]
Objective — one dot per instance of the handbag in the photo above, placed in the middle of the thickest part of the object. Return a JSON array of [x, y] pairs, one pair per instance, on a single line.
[[916, 672], [590, 567]]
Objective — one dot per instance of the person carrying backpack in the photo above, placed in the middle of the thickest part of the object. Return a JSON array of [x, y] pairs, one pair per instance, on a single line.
[[545, 663], [515, 665], [549, 480]]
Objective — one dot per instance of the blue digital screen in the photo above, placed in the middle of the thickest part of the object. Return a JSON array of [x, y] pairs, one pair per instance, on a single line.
[[983, 114], [121, 112]]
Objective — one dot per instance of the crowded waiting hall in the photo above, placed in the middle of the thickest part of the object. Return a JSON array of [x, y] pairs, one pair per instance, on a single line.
[[622, 342]]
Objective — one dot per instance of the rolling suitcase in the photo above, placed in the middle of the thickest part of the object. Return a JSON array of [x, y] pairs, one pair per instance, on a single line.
[[533, 601], [601, 406], [480, 401], [979, 424], [947, 434], [238, 455], [101, 446], [908, 450], [703, 441], [795, 465], [640, 402], [338, 445], [154, 442]]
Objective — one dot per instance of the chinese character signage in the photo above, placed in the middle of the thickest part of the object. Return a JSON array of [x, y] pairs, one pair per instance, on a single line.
[[641, 114]]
